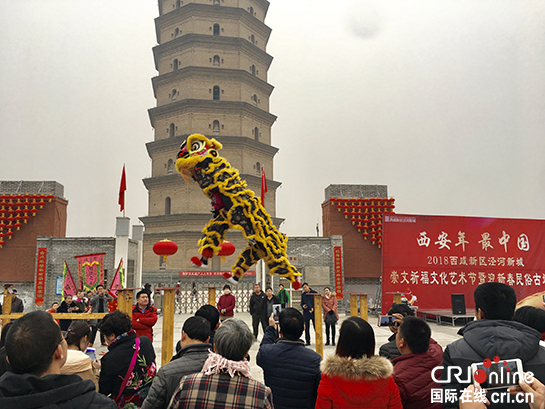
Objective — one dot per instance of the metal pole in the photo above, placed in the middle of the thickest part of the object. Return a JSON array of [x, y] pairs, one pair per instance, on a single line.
[[263, 284]]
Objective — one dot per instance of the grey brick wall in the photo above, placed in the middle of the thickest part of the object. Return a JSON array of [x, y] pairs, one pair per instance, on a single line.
[[355, 191], [314, 252], [368, 285], [61, 249], [32, 187]]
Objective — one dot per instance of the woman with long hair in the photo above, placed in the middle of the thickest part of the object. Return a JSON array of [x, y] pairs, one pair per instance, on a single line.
[[77, 361], [354, 377], [329, 308], [128, 368]]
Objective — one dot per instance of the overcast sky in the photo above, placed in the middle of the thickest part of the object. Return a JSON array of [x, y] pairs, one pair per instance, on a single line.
[[443, 101]]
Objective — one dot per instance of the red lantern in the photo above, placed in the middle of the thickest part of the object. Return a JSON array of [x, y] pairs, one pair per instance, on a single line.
[[165, 248], [227, 248]]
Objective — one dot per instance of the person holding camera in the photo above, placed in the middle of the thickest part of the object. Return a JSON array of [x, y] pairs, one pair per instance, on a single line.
[[399, 311]]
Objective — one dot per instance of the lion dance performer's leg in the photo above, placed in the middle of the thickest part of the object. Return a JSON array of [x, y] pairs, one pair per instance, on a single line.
[[214, 235], [246, 259], [266, 242]]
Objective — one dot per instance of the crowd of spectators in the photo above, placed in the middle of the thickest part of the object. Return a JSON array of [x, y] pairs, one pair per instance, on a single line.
[[44, 368]]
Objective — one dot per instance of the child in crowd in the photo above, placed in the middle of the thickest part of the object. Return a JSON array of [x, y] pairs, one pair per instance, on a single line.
[[53, 310], [413, 369]]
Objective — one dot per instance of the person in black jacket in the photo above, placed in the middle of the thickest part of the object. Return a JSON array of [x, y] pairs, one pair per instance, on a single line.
[[193, 353], [307, 304], [290, 370], [389, 350], [493, 333], [210, 314], [16, 303], [68, 305], [36, 351], [270, 300], [257, 310], [99, 303], [121, 339]]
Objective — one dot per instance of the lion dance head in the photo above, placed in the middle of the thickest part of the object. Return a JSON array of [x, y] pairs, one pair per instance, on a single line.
[[193, 151]]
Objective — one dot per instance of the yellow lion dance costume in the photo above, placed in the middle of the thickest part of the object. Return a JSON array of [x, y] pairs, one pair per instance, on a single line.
[[234, 206]]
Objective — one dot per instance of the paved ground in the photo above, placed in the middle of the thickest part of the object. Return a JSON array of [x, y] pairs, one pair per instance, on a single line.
[[443, 334]]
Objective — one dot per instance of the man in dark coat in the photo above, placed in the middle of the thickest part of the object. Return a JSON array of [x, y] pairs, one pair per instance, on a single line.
[[290, 370], [99, 303], [16, 303], [389, 350], [257, 310], [190, 359], [493, 333], [36, 351], [270, 300], [307, 304]]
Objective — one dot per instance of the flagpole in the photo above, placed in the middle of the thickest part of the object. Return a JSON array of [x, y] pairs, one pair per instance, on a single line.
[[124, 201]]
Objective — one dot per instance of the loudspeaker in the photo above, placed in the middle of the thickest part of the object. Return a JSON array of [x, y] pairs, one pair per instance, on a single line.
[[458, 304]]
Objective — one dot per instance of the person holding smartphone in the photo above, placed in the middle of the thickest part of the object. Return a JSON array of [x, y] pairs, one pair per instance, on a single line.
[[493, 333], [77, 361]]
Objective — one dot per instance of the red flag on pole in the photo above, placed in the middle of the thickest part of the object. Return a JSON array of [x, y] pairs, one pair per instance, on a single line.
[[117, 282], [68, 285], [263, 186], [122, 189]]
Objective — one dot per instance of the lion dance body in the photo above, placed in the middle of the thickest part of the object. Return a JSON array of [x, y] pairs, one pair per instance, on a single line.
[[235, 206]]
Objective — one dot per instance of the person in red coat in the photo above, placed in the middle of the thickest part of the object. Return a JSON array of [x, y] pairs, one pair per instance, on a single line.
[[354, 377], [226, 303], [144, 316], [413, 369]]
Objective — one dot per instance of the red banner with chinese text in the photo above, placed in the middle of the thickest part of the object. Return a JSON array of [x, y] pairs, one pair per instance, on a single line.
[[209, 273], [432, 257], [338, 259], [40, 276]]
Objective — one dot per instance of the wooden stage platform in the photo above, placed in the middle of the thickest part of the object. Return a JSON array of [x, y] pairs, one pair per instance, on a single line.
[[442, 316]]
